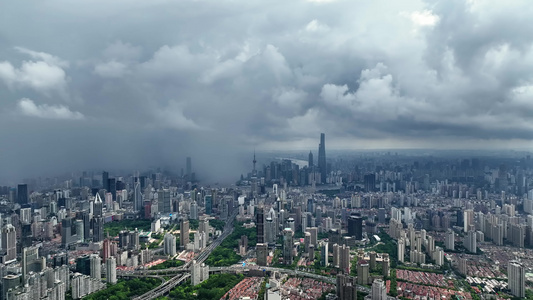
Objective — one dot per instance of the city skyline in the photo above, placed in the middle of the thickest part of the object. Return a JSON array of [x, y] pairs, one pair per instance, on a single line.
[[408, 76]]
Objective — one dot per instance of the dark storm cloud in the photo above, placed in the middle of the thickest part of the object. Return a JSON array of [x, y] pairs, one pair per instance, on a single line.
[[136, 83]]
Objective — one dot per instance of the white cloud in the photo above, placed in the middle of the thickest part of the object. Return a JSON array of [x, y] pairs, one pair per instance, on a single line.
[[46, 57], [111, 69], [44, 75], [60, 112], [316, 26], [424, 18]]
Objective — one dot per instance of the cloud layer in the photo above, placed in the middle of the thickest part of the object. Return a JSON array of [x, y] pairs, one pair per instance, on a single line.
[[225, 76]]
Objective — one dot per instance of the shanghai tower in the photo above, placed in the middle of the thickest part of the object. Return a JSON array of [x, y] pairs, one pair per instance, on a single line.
[[322, 158]]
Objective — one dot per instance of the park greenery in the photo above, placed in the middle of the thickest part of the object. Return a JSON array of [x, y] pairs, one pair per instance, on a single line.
[[213, 288], [113, 228], [393, 291], [171, 263], [225, 254], [217, 224], [125, 289]]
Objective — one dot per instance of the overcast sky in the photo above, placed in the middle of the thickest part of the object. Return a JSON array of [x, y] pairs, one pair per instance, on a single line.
[[139, 83]]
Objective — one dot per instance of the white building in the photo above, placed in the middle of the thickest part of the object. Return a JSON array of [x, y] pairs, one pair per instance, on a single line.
[[199, 273], [111, 270], [516, 278]]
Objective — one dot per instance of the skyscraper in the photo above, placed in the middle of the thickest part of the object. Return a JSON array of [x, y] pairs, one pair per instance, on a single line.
[[96, 266], [111, 270], [170, 244], [379, 290], [105, 180], [262, 253], [184, 233], [310, 163], [260, 223], [137, 195], [516, 278], [322, 158], [288, 245], [22, 194], [9, 242], [189, 168]]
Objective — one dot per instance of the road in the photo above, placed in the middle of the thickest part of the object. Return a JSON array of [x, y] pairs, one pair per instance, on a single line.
[[179, 278], [183, 272]]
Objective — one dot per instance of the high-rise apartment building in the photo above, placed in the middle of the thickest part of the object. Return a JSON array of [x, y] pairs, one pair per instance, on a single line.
[[170, 244], [96, 266], [516, 278], [111, 270], [449, 240], [379, 290]]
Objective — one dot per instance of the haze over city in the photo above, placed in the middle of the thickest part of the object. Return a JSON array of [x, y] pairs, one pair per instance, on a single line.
[[134, 84]]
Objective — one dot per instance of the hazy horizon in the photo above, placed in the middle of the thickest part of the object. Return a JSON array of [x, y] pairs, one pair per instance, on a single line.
[[133, 84]]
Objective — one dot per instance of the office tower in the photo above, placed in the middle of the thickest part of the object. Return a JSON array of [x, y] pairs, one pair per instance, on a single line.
[[164, 201], [123, 239], [105, 180], [344, 259], [468, 219], [379, 290], [346, 287], [324, 254], [355, 227], [199, 273], [189, 168], [288, 245], [170, 244], [208, 202], [31, 262], [22, 194], [111, 270], [516, 278], [83, 264], [336, 256], [322, 158], [66, 231], [310, 160], [86, 218], [260, 225], [449, 240], [314, 235], [113, 187], [98, 206], [370, 182], [96, 266], [401, 250], [262, 254], [184, 233], [137, 195], [470, 242], [98, 229], [78, 225]]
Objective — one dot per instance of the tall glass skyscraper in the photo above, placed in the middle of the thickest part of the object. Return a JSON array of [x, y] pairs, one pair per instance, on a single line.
[[322, 158]]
